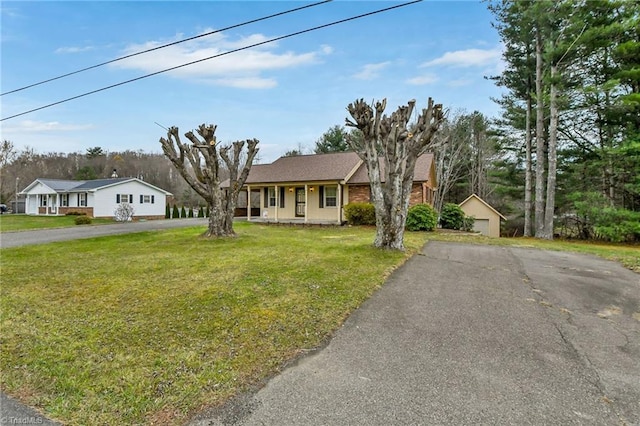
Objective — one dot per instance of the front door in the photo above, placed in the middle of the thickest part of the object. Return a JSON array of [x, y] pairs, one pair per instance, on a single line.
[[300, 202]]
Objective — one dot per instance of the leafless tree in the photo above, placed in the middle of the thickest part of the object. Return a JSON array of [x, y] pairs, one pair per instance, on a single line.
[[390, 148], [201, 164]]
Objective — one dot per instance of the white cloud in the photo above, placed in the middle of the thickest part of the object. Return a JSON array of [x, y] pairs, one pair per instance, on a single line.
[[423, 80], [74, 49], [238, 69], [46, 126], [371, 71], [247, 82], [467, 58], [459, 82]]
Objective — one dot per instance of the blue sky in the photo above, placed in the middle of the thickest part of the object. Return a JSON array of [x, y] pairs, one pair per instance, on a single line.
[[286, 93]]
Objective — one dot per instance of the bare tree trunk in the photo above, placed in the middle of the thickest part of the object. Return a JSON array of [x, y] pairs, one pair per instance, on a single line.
[[527, 171], [400, 148], [552, 160], [540, 140], [200, 166]]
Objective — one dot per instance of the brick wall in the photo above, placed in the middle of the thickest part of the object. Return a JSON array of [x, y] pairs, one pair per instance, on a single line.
[[362, 194], [359, 194]]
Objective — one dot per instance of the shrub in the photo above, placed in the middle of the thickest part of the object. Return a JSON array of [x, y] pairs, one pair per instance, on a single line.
[[191, 212], [200, 211], [360, 213], [598, 220], [176, 212], [167, 212], [75, 213], [183, 212], [451, 216], [124, 212], [82, 220], [422, 217], [467, 223]]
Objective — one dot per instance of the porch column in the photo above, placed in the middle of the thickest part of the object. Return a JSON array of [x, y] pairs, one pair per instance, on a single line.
[[306, 201], [277, 201], [248, 203], [339, 203]]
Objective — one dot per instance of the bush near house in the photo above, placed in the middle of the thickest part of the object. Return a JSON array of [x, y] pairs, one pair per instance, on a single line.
[[422, 217], [360, 213], [167, 212], [82, 220], [451, 216], [183, 212], [190, 211], [176, 212], [200, 211]]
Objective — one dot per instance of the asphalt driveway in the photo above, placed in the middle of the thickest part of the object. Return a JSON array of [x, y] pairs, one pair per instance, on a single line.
[[469, 334], [41, 236]]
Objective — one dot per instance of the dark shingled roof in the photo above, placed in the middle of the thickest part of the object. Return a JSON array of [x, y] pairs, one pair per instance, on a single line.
[[305, 168], [423, 165], [98, 183]]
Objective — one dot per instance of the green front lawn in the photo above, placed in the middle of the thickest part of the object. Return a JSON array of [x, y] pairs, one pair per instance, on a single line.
[[149, 328], [22, 222]]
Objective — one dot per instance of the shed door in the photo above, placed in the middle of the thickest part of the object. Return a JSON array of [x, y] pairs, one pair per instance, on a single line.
[[482, 225]]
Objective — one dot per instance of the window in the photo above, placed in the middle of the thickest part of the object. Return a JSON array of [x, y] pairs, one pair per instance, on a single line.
[[82, 199], [43, 201], [64, 200], [331, 196], [124, 198], [272, 196], [146, 199]]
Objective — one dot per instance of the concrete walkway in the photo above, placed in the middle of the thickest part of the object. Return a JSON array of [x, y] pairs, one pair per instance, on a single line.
[[468, 335]]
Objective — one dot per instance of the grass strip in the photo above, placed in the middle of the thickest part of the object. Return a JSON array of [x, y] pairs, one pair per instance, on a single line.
[[149, 328]]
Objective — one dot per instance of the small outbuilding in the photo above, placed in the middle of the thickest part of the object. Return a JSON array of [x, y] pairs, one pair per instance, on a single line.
[[487, 219]]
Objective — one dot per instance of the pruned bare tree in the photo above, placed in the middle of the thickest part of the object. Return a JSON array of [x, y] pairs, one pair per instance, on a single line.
[[390, 139], [201, 164]]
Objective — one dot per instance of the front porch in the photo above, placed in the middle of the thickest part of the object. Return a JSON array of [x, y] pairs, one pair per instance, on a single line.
[[293, 203], [291, 222]]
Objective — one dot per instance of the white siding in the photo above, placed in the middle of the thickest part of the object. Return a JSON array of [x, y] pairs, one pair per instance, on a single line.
[[104, 200], [39, 188]]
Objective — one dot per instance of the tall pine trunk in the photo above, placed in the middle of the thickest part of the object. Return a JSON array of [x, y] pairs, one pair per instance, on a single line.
[[528, 171], [540, 140], [552, 158]]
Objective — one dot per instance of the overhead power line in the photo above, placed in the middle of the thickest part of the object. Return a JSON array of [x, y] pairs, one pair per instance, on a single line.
[[341, 21], [253, 21]]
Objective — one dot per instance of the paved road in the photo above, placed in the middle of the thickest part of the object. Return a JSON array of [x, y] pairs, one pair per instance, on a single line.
[[22, 238], [470, 335]]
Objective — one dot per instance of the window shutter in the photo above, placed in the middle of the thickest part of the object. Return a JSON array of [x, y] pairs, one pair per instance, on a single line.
[[130, 198], [78, 202], [266, 197], [282, 197], [141, 199], [153, 199], [321, 193], [118, 198]]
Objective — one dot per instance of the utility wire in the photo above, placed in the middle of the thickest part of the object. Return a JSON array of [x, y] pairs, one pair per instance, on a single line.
[[215, 56], [166, 45]]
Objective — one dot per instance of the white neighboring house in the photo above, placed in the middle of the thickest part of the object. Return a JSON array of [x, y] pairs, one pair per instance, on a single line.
[[95, 198]]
